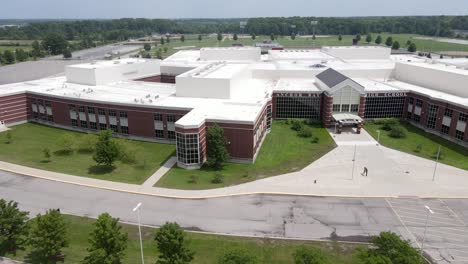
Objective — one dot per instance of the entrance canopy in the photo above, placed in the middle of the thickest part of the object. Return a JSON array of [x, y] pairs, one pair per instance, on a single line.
[[347, 118]]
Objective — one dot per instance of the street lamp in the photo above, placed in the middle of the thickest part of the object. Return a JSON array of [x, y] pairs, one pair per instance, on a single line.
[[137, 208], [354, 162], [435, 167], [378, 137], [429, 211]]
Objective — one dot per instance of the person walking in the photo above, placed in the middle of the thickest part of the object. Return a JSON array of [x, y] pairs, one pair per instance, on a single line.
[[364, 173]]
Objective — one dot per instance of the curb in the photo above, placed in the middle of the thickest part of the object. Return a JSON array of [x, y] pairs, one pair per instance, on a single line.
[[226, 195]]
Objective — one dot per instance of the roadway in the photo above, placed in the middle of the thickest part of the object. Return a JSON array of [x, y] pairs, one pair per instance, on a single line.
[[352, 219]]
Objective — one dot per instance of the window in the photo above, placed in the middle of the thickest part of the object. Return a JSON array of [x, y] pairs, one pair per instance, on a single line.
[[90, 110], [102, 126], [408, 115], [462, 117], [124, 130], [187, 148], [93, 125], [345, 108], [297, 107], [419, 103], [269, 115], [384, 107], [83, 124], [417, 118], [101, 111], [114, 128], [123, 114], [448, 112], [71, 106], [47, 103], [171, 119], [158, 117], [432, 116], [74, 122], [444, 129], [336, 108], [159, 133], [411, 100], [112, 113], [171, 135], [354, 108], [81, 109], [50, 118], [459, 134]]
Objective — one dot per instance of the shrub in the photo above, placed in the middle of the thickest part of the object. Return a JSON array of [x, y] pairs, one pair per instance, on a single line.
[[218, 178], [388, 123], [436, 151], [305, 255], [397, 132], [237, 256], [8, 137], [305, 132], [193, 179], [418, 148], [87, 143], [296, 125], [46, 152], [127, 152], [67, 143], [315, 140]]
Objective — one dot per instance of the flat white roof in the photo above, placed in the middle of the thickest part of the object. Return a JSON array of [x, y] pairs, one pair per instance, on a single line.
[[376, 86], [107, 63], [297, 85]]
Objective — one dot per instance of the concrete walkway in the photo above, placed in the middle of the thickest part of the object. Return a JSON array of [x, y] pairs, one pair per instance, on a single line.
[[151, 181], [391, 174]]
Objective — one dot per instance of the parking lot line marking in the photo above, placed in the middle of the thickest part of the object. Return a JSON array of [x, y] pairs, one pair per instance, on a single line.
[[455, 229], [430, 221], [432, 216], [419, 209], [463, 251], [404, 225], [444, 238], [453, 212], [441, 232]]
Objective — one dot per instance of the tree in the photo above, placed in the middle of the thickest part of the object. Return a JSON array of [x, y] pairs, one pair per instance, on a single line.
[[305, 255], [48, 236], [21, 55], [182, 38], [358, 37], [158, 54], [54, 43], [396, 45], [106, 149], [293, 36], [219, 37], [272, 36], [235, 37], [165, 49], [9, 57], [162, 41], [67, 143], [237, 256], [378, 40], [36, 50], [253, 36], [369, 38], [147, 47], [389, 41], [8, 137], [216, 147], [46, 152], [340, 38], [69, 32], [168, 38], [200, 37], [67, 54], [107, 241], [412, 47], [391, 246], [13, 227], [408, 42], [172, 245]]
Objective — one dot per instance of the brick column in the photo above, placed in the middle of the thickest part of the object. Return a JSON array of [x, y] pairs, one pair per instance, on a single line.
[[362, 106], [327, 109], [453, 124]]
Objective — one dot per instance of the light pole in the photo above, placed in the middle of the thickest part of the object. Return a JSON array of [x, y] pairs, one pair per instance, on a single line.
[[137, 208], [354, 162], [429, 211], [378, 137], [435, 167]]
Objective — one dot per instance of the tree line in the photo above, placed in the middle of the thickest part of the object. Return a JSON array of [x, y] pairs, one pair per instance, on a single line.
[[122, 29], [46, 236]]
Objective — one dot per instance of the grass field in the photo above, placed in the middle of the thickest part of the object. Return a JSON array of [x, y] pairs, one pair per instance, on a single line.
[[29, 140], [282, 152], [452, 154], [207, 248]]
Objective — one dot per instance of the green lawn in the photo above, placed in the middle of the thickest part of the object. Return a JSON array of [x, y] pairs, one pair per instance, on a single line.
[[282, 152], [29, 140], [453, 154], [207, 248]]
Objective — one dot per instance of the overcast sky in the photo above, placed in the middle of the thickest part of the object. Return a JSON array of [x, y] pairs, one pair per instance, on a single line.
[[225, 8]]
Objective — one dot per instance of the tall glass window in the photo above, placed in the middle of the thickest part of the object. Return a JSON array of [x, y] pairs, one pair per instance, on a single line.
[[188, 150], [384, 107], [432, 116], [347, 98], [297, 107]]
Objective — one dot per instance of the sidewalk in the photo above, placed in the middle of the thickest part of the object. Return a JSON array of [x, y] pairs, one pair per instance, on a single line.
[[151, 181], [391, 174]]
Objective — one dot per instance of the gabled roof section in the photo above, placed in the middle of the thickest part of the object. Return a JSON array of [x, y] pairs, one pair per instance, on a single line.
[[331, 78]]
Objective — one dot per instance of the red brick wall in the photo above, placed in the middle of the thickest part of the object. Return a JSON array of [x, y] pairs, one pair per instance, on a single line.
[[13, 108], [327, 110]]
